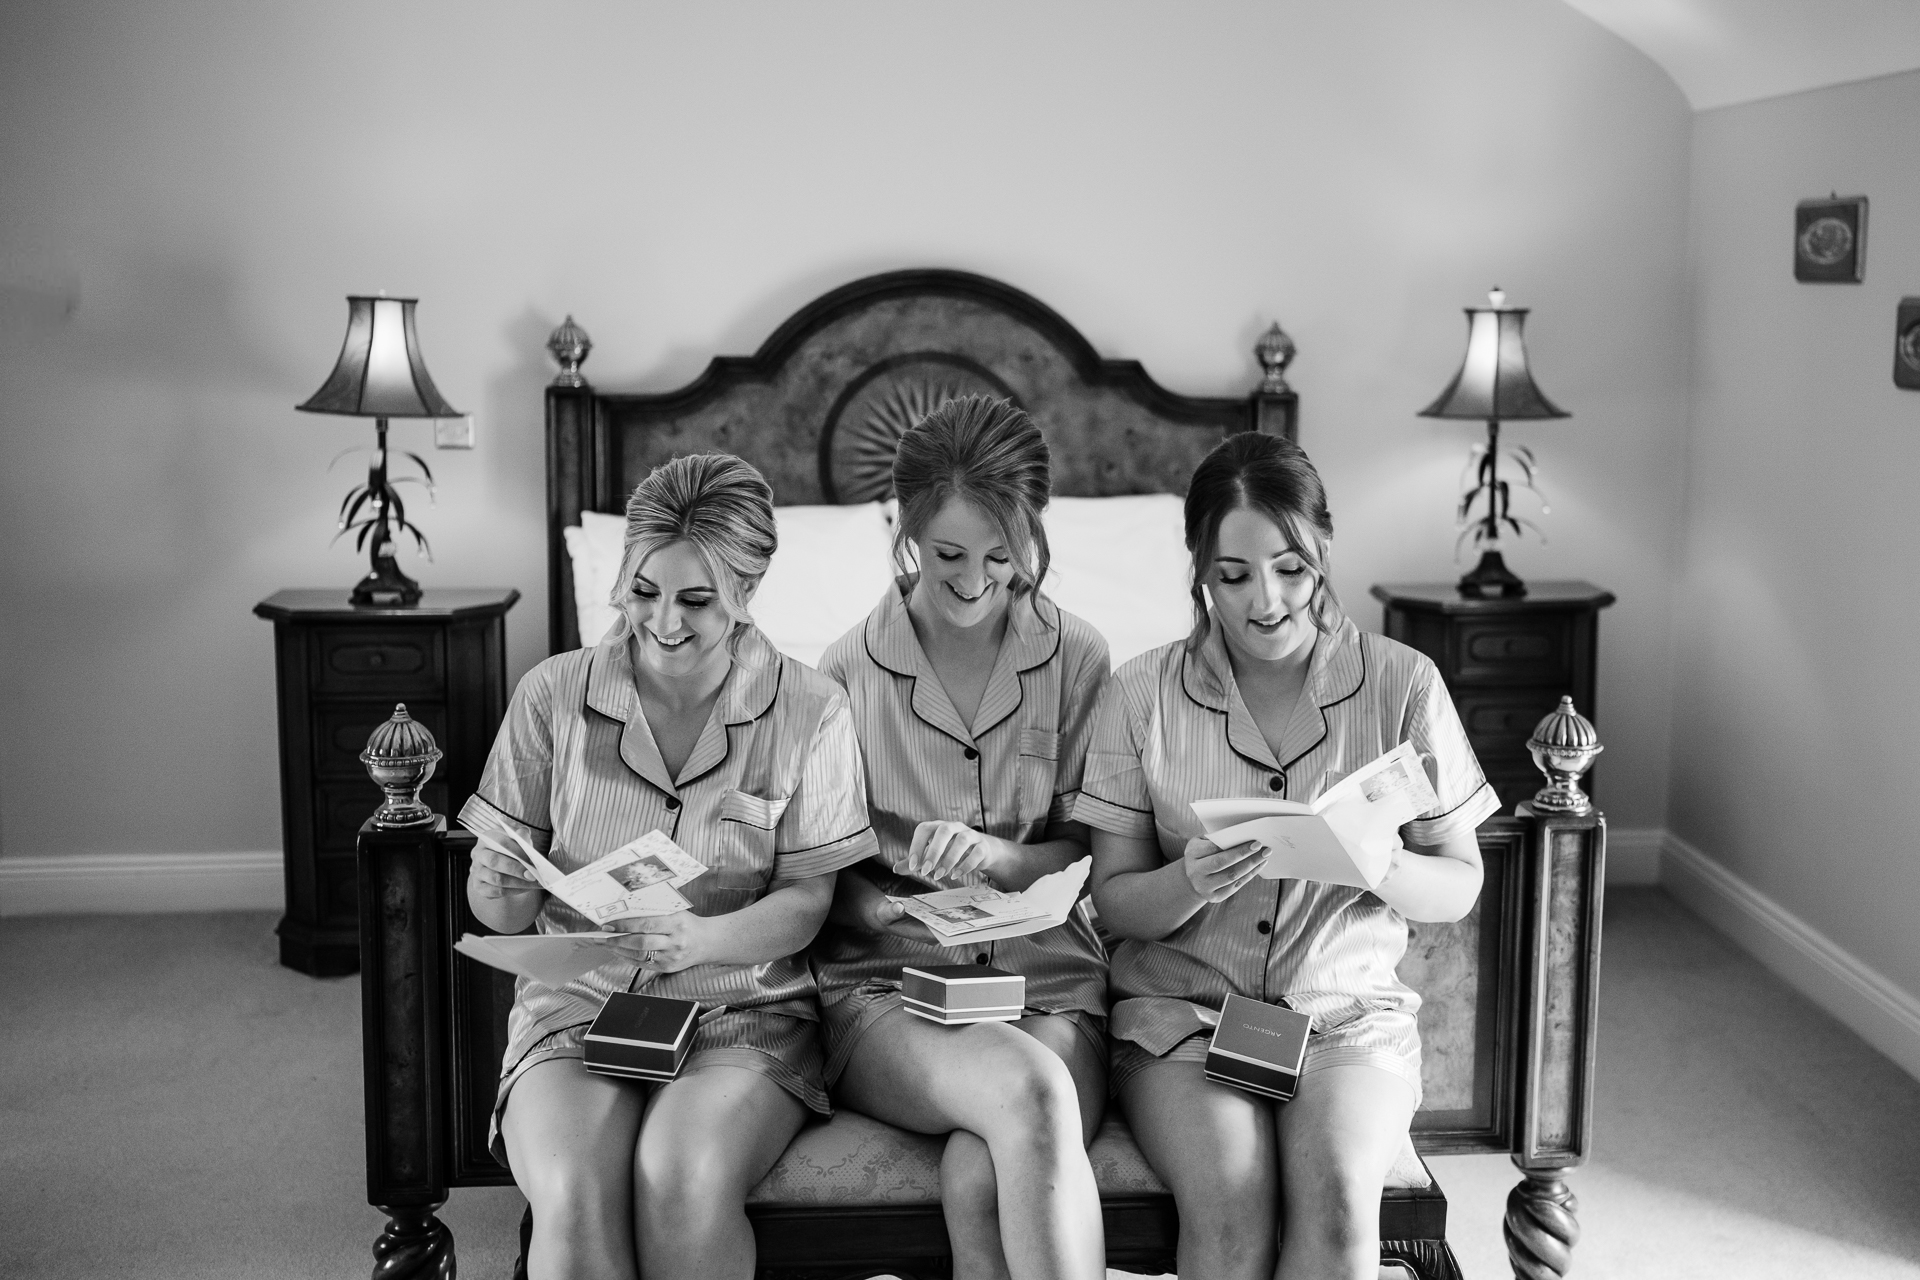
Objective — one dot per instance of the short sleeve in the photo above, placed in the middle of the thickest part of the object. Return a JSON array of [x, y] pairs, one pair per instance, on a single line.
[[515, 788], [825, 824], [1434, 729], [1079, 704], [1113, 784]]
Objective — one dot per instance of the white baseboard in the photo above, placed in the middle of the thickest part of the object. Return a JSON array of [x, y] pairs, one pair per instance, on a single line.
[[1879, 1012], [129, 883], [1633, 855]]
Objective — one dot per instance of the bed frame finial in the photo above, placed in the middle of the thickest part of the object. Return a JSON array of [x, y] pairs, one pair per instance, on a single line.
[[1275, 353], [570, 345]]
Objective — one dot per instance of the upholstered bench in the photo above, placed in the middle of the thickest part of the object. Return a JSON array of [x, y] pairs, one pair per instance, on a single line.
[[1507, 1029], [856, 1170]]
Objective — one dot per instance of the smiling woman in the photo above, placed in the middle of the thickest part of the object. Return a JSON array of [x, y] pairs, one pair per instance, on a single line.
[[1275, 693], [685, 720]]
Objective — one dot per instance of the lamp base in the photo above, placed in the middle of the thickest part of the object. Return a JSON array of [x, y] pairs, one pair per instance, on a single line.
[[1491, 577], [386, 585]]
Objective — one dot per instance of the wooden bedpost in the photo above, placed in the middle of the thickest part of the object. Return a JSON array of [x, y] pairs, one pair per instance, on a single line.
[[1565, 876], [403, 953]]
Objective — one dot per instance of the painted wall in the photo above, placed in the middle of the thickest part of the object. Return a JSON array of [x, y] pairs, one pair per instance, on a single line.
[[192, 190], [1796, 618]]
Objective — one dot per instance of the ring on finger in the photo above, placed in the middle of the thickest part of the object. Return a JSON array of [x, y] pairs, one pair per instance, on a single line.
[[647, 958]]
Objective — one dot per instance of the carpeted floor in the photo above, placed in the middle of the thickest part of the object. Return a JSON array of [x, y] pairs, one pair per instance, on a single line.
[[174, 1104]]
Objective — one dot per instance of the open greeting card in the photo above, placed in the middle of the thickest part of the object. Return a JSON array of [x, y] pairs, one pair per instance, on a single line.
[[640, 878], [981, 913], [1346, 836]]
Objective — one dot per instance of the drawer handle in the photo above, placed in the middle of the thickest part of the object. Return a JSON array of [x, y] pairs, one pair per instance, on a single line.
[[1510, 647], [361, 658]]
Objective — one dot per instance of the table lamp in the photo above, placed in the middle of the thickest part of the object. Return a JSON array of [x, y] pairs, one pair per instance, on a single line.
[[381, 375], [1494, 384]]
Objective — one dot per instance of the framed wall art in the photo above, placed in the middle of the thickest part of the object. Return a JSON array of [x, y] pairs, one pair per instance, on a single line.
[[1906, 345], [1830, 240]]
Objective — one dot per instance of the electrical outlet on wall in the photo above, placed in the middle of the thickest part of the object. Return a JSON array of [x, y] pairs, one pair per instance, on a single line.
[[453, 433]]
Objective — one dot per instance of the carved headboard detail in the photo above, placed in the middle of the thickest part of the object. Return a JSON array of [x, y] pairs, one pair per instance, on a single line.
[[818, 407]]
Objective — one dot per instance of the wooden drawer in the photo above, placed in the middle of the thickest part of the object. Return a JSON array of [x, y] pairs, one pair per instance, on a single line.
[[340, 807], [341, 730], [1503, 719], [1514, 651], [394, 661]]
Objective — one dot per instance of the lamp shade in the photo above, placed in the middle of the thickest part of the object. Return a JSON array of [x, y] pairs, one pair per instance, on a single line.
[[1494, 384], [380, 373]]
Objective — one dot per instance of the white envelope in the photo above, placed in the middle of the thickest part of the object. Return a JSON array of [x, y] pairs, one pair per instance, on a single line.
[[551, 959]]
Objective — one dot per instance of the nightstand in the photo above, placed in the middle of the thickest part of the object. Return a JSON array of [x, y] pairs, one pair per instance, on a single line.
[[340, 669], [1507, 661]]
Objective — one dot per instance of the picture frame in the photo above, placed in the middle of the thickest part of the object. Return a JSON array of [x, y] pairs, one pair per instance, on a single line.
[[1830, 240], [1906, 345]]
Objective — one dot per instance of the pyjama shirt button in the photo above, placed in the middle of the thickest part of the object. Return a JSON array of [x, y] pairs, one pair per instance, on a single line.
[[673, 802], [981, 958], [971, 754], [1265, 926], [1278, 782]]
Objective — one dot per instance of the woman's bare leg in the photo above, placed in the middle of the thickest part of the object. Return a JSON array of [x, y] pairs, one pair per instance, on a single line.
[[708, 1138], [1016, 1095], [969, 1192], [1215, 1147], [1338, 1138], [570, 1137]]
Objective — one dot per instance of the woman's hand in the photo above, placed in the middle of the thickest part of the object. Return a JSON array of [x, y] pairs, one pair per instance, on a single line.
[[1216, 874], [883, 915], [950, 850], [498, 875], [666, 944]]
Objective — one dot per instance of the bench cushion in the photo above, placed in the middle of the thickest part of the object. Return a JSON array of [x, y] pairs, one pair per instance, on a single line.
[[855, 1159]]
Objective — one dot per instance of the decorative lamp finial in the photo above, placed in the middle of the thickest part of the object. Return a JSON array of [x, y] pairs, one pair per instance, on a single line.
[[400, 757], [1563, 746], [570, 345], [1275, 353]]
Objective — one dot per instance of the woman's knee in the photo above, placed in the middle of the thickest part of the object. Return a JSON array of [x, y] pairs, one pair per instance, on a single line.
[[1038, 1087], [682, 1179], [573, 1201]]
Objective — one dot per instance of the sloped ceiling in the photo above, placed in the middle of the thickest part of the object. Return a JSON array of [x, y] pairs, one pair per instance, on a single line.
[[1725, 51]]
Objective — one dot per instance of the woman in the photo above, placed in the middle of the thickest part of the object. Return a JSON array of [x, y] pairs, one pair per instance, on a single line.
[[1276, 693], [973, 696], [683, 719]]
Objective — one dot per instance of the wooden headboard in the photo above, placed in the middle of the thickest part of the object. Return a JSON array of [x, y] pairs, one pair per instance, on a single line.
[[819, 406]]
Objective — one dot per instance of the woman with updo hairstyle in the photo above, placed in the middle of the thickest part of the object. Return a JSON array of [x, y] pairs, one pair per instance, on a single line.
[[973, 697], [1275, 694], [684, 720]]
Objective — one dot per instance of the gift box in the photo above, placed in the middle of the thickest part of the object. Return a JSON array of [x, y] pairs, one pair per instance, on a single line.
[[1258, 1047], [951, 994], [641, 1037]]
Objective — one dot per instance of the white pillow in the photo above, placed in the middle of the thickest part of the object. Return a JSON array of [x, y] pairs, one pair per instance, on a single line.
[[594, 545], [832, 565], [1121, 564], [831, 569]]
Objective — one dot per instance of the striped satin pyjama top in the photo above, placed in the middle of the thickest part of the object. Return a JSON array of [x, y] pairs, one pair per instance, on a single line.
[[1172, 728], [772, 792], [1014, 774]]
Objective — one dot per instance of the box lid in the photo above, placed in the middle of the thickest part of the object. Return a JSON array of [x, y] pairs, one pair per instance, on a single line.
[[1262, 1032], [955, 973], [648, 1022]]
